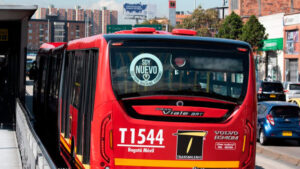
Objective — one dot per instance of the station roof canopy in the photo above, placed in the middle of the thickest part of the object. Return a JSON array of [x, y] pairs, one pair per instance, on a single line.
[[16, 12]]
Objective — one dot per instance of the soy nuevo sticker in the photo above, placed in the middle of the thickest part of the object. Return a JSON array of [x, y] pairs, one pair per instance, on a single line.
[[146, 69]]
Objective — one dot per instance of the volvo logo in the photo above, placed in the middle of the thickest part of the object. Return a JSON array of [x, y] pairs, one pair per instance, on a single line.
[[179, 103]]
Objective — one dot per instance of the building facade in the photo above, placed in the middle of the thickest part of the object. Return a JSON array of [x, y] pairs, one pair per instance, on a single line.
[[62, 25], [246, 8], [180, 16], [279, 57], [270, 58], [291, 45]]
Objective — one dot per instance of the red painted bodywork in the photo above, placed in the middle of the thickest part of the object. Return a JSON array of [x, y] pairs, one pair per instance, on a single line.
[[110, 116]]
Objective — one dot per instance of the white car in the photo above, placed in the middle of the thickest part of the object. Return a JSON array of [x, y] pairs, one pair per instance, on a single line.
[[292, 90]]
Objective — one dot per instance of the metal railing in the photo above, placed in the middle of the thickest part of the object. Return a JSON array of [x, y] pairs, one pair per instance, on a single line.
[[33, 153]]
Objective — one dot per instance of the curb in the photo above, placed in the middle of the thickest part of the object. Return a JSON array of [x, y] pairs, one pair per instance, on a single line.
[[278, 156]]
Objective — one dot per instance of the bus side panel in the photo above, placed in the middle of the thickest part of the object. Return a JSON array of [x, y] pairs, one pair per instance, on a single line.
[[102, 111]]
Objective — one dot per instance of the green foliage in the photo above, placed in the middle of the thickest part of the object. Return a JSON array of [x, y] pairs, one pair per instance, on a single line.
[[253, 33], [149, 22], [205, 22], [231, 28]]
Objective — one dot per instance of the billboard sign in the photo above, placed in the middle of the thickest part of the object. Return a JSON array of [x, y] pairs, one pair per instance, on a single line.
[[137, 9]]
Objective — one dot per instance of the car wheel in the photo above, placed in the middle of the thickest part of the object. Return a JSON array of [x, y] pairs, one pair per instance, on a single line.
[[262, 138]]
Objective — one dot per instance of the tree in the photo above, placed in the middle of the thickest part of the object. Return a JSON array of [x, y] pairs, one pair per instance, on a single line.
[[150, 22], [231, 28], [253, 32], [205, 22]]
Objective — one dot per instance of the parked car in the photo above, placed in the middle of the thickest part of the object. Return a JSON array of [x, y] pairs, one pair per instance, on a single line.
[[292, 90], [270, 91], [277, 119]]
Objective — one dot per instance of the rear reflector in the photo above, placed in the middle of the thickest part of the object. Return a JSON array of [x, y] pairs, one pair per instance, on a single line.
[[259, 90], [184, 32]]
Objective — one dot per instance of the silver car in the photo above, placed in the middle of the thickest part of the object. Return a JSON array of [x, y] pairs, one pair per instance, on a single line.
[[292, 90]]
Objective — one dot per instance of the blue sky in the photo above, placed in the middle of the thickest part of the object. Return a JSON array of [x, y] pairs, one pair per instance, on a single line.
[[162, 5]]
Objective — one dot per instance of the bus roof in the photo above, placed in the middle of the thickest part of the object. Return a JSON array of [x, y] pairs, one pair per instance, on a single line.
[[51, 47]]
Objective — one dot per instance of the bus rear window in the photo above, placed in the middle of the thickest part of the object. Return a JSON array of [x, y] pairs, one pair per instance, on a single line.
[[157, 70]]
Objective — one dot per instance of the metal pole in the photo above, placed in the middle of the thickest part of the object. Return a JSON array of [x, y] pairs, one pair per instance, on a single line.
[[48, 30]]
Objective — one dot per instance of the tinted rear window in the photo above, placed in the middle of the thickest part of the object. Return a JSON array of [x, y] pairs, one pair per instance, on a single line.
[[294, 86], [286, 111], [144, 69], [269, 87]]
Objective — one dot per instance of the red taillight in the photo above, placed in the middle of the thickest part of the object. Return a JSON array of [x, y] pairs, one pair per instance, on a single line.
[[286, 91], [242, 49], [271, 119], [259, 91]]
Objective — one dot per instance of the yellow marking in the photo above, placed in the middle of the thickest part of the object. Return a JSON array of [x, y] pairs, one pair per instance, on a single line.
[[79, 157], [244, 144], [175, 163], [62, 134], [189, 146], [86, 166], [197, 134], [65, 143]]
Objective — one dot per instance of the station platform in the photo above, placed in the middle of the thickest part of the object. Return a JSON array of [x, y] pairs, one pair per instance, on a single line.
[[9, 151]]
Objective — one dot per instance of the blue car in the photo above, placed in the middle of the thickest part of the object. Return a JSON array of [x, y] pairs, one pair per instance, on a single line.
[[277, 119]]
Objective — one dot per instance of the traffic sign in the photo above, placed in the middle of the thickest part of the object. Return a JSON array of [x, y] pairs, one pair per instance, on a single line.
[[115, 28]]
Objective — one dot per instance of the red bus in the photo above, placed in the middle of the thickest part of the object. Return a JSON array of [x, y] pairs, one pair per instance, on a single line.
[[147, 99]]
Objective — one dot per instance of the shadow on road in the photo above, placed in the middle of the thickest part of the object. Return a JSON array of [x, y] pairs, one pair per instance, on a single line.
[[259, 167], [283, 143]]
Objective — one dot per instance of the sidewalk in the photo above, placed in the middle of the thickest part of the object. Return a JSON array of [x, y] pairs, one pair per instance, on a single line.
[[270, 151], [9, 151]]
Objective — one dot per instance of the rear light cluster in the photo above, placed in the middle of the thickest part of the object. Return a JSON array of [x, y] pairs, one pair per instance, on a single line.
[[103, 134], [251, 138], [259, 91], [286, 91], [270, 119]]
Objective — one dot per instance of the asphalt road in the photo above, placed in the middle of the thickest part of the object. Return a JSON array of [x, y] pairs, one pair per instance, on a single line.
[[263, 162]]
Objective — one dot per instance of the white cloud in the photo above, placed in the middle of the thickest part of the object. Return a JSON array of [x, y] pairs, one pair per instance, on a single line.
[[109, 4]]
